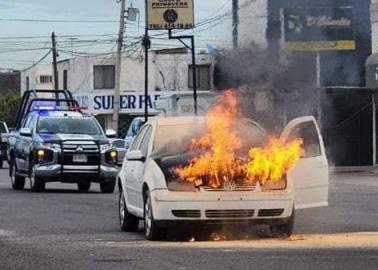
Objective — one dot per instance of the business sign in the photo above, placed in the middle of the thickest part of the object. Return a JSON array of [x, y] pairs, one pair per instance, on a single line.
[[170, 14], [130, 102], [319, 29]]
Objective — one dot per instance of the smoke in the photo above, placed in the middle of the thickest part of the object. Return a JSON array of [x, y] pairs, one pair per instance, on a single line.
[[272, 91]]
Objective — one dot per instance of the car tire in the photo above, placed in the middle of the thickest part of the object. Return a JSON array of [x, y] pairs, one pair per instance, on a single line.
[[107, 187], [152, 231], [127, 221], [1, 163], [284, 229], [84, 186], [18, 182], [36, 183]]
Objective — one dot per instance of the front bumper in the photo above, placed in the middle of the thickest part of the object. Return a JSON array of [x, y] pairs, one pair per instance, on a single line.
[[69, 174], [221, 207]]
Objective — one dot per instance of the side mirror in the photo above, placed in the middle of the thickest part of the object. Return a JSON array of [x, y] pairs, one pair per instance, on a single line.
[[136, 155], [26, 132], [111, 133]]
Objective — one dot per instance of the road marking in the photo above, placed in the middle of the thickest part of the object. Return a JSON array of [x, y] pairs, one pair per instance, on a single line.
[[4, 233]]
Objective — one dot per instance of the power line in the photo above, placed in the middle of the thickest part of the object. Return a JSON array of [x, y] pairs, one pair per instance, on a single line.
[[56, 21]]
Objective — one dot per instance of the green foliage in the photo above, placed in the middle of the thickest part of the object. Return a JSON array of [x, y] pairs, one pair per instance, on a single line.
[[9, 104]]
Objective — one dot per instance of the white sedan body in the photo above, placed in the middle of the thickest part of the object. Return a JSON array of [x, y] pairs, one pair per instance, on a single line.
[[307, 183]]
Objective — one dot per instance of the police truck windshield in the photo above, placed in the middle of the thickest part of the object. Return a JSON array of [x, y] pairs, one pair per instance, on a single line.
[[68, 125]]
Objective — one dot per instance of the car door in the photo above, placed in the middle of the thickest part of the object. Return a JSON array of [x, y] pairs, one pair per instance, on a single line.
[[310, 177], [129, 171], [140, 166], [21, 147]]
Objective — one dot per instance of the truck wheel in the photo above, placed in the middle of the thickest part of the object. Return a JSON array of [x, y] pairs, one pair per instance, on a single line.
[[107, 187], [152, 232], [285, 229], [127, 221], [18, 182], [36, 183], [84, 186]]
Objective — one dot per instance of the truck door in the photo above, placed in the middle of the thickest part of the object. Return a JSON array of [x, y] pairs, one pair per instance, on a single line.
[[22, 147], [309, 178]]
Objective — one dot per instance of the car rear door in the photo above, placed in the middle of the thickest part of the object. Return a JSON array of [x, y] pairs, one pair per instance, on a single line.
[[310, 177], [130, 171]]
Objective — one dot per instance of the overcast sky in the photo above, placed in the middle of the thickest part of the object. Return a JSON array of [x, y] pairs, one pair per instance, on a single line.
[[219, 33]]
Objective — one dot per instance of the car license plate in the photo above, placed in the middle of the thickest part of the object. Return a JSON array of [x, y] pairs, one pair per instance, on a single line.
[[80, 159]]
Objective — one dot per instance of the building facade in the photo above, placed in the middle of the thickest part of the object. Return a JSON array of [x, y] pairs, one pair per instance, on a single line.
[[92, 80], [37, 77]]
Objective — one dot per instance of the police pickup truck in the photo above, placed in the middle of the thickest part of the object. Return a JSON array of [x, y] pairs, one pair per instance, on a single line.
[[55, 142]]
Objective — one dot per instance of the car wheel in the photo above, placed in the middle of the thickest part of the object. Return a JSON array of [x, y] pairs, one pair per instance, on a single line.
[[284, 229], [18, 182], [36, 183], [152, 232], [1, 164], [127, 221], [107, 187], [84, 186]]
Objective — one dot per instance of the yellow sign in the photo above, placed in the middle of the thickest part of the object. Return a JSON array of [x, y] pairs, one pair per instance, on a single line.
[[339, 45], [170, 14]]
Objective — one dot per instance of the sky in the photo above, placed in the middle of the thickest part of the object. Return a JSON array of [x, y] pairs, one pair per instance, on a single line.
[[76, 38]]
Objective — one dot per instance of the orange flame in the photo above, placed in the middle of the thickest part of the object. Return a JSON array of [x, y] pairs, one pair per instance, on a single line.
[[219, 162], [274, 161]]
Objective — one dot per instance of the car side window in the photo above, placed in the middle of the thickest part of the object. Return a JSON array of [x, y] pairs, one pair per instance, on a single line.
[[311, 143], [31, 123], [145, 141], [137, 140], [26, 123]]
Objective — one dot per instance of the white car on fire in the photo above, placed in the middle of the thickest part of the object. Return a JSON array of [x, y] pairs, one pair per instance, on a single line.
[[149, 190]]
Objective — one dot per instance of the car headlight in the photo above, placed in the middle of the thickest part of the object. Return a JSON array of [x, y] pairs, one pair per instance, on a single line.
[[44, 156], [274, 185], [51, 145], [111, 156], [104, 147]]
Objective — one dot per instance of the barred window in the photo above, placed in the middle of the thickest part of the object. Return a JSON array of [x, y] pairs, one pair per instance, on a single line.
[[104, 77]]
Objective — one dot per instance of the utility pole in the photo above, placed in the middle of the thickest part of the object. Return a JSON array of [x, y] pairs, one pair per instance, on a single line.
[[118, 69], [235, 23], [55, 67], [146, 42]]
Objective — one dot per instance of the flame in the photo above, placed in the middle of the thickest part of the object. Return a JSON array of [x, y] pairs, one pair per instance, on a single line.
[[274, 161], [218, 162]]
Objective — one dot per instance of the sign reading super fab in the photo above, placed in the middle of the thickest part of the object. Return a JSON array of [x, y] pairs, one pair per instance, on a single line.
[[130, 102]]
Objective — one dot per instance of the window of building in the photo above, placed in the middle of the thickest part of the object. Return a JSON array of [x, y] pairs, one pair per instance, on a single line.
[[104, 77], [203, 77], [45, 79], [65, 79]]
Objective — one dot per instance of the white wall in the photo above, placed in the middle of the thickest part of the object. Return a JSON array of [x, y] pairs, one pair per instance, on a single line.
[[173, 67], [34, 74], [253, 22], [374, 22]]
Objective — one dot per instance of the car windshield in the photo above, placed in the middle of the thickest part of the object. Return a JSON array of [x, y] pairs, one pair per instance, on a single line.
[[134, 128], [68, 125], [175, 139]]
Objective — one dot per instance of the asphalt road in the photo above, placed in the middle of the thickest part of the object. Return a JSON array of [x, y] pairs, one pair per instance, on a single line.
[[65, 229]]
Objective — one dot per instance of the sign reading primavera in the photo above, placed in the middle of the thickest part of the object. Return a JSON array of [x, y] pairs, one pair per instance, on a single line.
[[170, 14]]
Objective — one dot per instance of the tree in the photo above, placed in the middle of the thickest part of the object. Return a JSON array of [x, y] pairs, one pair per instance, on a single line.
[[9, 105]]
